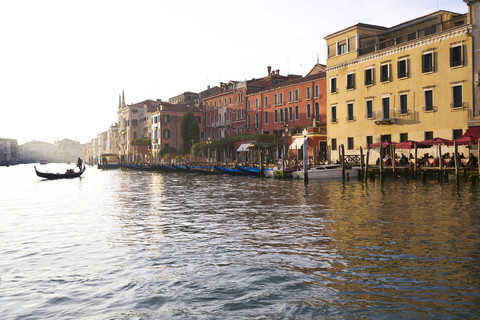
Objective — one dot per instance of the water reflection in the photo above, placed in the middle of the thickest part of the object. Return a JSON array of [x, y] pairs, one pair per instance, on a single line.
[[149, 245]]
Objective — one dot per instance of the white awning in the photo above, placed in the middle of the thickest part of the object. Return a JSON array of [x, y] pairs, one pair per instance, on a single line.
[[244, 147], [297, 144]]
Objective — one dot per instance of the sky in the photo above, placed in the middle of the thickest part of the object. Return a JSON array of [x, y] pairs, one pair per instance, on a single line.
[[64, 64]]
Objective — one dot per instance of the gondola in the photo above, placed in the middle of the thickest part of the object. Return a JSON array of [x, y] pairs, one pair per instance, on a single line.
[[52, 176]]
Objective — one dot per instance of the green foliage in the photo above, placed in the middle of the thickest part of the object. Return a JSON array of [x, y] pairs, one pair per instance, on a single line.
[[189, 131], [141, 142], [167, 150]]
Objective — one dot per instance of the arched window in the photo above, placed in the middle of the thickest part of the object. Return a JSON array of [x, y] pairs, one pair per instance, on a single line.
[[297, 115], [317, 112], [309, 112]]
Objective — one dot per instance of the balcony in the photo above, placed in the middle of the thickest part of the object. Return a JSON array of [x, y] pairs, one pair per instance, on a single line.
[[459, 105], [379, 118]]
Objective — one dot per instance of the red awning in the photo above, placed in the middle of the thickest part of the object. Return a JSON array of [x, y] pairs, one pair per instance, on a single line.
[[469, 137], [409, 144], [431, 142], [377, 144]]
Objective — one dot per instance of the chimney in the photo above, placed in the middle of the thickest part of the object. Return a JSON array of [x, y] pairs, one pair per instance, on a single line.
[[278, 71], [269, 68]]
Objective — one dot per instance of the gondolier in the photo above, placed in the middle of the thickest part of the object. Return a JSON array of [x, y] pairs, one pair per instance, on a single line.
[[79, 163]]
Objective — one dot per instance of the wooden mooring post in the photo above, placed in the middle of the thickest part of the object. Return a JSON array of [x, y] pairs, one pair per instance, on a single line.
[[366, 163], [381, 161], [440, 163], [415, 164], [342, 161], [455, 154], [393, 158], [362, 172]]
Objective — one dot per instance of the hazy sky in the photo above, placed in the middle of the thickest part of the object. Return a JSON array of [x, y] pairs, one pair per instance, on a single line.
[[63, 64]]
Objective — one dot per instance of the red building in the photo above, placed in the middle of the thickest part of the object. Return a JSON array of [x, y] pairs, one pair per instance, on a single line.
[[274, 104]]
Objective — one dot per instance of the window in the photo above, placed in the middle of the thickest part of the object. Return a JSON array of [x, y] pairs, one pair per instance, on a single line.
[[369, 109], [457, 96], [350, 143], [309, 111], [403, 137], [334, 114], [317, 90], [385, 72], [350, 116], [296, 95], [386, 107], [290, 116], [281, 115], [166, 118], [290, 96], [308, 95], [281, 98], [256, 120], [350, 81], [428, 101], [275, 100], [428, 135], [369, 141], [266, 101], [402, 68], [134, 122], [266, 117], [248, 122], [403, 103], [166, 134], [317, 111], [369, 74], [456, 56], [286, 115], [334, 144], [256, 103], [430, 30], [457, 133], [135, 135], [275, 116], [427, 62], [297, 114], [342, 47], [248, 105], [333, 86]]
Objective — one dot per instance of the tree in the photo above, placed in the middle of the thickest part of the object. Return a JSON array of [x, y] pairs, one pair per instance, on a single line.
[[189, 131]]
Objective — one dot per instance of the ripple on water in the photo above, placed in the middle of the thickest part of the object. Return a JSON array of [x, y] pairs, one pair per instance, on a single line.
[[135, 245]]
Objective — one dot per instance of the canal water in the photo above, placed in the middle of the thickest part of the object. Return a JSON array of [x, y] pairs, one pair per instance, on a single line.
[[140, 245]]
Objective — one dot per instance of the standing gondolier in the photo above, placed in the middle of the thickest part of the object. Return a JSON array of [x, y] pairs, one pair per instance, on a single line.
[[79, 163]]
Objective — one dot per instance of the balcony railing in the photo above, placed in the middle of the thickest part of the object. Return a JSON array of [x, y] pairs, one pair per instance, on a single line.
[[372, 44], [380, 118], [459, 105]]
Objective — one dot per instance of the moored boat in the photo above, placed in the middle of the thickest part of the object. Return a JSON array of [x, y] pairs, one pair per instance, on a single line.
[[327, 171], [67, 175], [230, 171]]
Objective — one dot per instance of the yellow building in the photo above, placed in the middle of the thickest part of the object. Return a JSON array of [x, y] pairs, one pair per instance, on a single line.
[[413, 81]]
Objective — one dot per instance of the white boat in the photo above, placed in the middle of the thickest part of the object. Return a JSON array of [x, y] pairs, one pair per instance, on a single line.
[[326, 171]]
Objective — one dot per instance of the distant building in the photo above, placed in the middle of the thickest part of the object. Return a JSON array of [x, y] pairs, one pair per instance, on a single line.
[[35, 151], [186, 98], [131, 124], [67, 150], [165, 123]]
